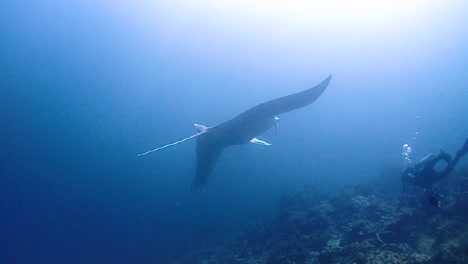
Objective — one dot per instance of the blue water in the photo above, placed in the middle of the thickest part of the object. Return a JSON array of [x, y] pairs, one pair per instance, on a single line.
[[87, 86]]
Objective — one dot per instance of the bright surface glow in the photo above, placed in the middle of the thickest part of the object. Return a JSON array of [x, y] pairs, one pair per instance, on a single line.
[[310, 10], [338, 11], [341, 9], [349, 38], [262, 17]]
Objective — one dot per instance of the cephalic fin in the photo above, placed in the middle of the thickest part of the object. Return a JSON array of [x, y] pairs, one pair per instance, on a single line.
[[200, 128], [260, 142]]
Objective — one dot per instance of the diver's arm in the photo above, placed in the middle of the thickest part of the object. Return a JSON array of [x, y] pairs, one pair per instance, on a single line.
[[406, 176]]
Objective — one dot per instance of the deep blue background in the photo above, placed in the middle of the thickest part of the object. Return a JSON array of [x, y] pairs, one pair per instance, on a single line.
[[84, 87]]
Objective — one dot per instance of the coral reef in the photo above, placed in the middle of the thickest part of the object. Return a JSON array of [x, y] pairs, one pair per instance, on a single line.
[[362, 224]]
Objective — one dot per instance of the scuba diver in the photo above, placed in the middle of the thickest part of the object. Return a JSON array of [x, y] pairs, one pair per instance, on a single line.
[[423, 174]]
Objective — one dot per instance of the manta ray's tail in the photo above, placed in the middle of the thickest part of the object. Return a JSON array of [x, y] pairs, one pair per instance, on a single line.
[[171, 144]]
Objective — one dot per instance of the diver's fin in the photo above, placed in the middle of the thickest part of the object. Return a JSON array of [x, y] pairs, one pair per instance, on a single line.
[[260, 142], [460, 153], [464, 149], [172, 144]]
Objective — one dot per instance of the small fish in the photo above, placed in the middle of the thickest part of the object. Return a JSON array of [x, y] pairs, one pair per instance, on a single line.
[[434, 201]]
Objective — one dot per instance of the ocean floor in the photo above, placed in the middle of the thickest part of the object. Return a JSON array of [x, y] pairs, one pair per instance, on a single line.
[[361, 224]]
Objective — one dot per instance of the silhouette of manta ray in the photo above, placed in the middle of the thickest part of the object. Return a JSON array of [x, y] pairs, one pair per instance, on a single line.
[[244, 128]]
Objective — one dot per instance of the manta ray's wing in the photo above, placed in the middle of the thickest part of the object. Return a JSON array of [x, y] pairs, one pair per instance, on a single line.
[[208, 151], [287, 103]]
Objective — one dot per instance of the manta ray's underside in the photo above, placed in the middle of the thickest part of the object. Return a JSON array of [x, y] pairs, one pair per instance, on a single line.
[[244, 128]]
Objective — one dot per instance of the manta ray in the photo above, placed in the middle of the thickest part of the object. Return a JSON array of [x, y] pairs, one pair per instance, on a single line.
[[242, 129]]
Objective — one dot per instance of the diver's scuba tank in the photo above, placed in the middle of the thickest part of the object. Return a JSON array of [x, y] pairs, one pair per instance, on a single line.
[[422, 162]]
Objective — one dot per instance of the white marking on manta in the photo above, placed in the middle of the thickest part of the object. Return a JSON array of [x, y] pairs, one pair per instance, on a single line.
[[244, 128]]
